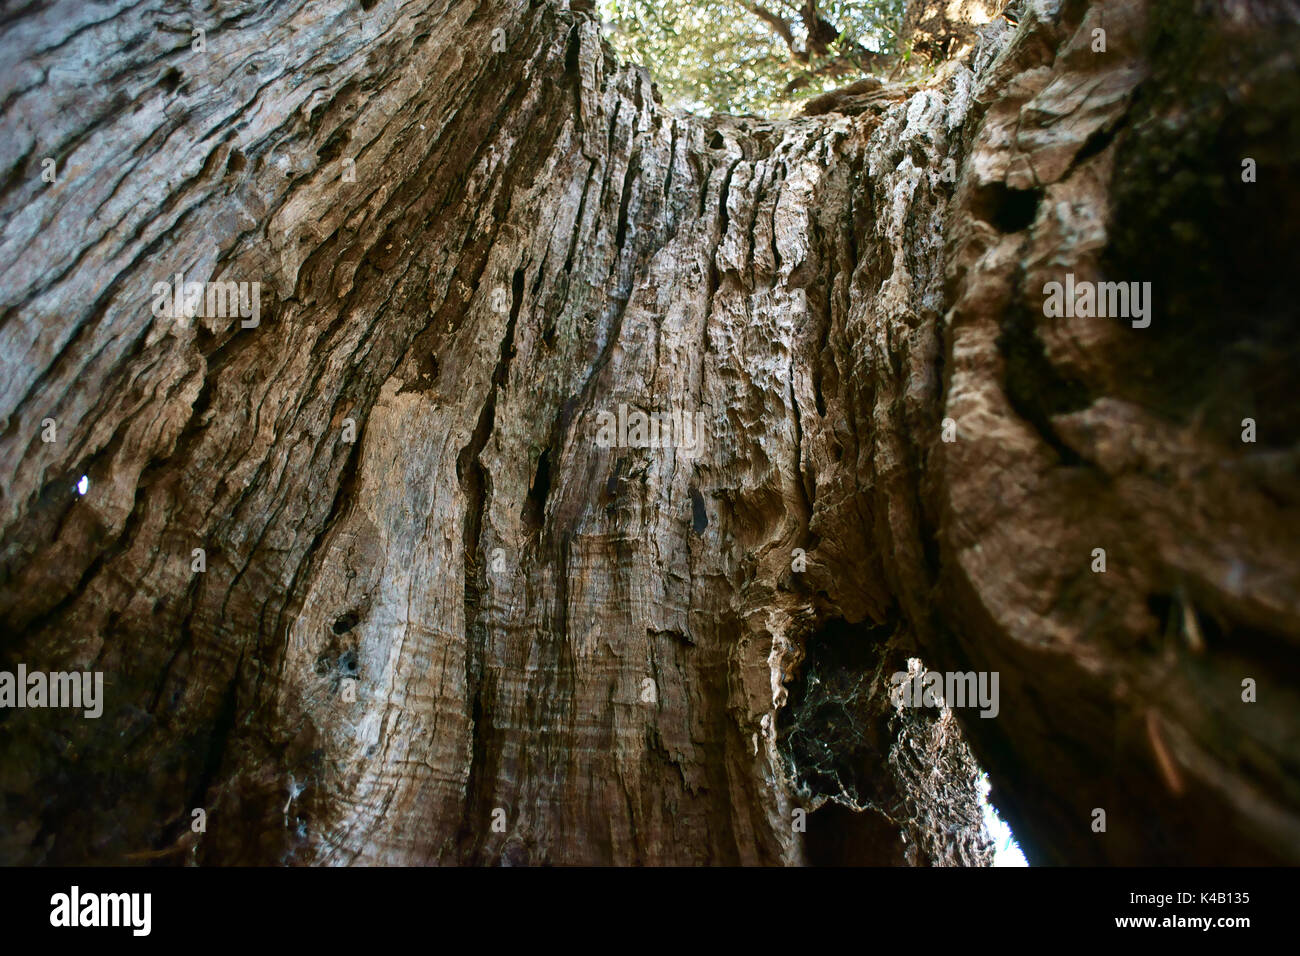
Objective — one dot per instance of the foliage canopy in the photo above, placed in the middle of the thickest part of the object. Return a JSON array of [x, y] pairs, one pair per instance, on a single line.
[[737, 56]]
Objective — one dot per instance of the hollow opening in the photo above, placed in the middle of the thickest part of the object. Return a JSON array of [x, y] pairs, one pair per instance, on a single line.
[[699, 517], [1007, 210], [347, 621], [1006, 849], [757, 59], [862, 750]]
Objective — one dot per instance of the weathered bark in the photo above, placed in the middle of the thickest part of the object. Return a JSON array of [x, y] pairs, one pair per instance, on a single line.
[[609, 649]]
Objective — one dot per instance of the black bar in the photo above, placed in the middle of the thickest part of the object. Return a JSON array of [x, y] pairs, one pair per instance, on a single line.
[[368, 907]]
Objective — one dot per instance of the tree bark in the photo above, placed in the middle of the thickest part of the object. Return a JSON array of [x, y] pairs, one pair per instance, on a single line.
[[441, 622]]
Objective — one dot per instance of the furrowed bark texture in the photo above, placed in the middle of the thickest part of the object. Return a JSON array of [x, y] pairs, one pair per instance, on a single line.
[[477, 634]]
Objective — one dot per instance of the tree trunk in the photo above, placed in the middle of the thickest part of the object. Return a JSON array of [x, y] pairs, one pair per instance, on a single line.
[[445, 616]]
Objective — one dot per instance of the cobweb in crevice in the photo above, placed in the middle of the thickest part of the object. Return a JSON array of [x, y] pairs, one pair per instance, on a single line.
[[902, 769]]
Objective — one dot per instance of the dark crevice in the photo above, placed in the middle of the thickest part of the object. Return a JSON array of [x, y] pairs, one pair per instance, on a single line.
[[1007, 210], [171, 80], [826, 732], [699, 517], [347, 621], [577, 219], [1036, 389], [17, 174], [333, 147], [222, 727], [668, 174], [723, 195], [625, 198], [838, 836], [1221, 635], [534, 511], [572, 64], [1095, 144], [473, 481]]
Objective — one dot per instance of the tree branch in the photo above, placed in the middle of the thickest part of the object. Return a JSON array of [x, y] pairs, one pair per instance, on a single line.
[[821, 32], [779, 26]]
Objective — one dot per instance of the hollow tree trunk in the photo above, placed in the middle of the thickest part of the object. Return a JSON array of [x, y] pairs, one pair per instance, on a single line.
[[441, 621]]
